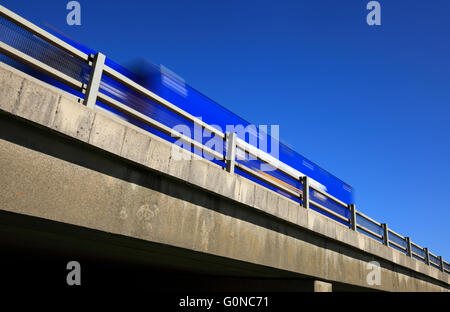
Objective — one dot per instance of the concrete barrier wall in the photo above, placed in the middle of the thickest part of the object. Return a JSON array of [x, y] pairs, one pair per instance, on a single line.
[[191, 204]]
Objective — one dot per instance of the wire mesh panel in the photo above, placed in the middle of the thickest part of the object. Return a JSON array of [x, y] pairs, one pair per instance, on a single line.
[[435, 260], [271, 173], [393, 237], [317, 197], [361, 221], [418, 251], [447, 266], [33, 46]]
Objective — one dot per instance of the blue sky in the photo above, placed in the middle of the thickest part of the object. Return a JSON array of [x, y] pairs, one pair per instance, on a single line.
[[376, 98]]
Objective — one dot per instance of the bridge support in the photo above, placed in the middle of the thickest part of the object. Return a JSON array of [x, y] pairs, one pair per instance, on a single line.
[[320, 286]]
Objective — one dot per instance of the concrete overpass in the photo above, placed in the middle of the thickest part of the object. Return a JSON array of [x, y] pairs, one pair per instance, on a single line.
[[78, 182]]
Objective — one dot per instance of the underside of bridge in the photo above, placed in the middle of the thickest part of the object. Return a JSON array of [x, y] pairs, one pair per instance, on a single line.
[[35, 253]]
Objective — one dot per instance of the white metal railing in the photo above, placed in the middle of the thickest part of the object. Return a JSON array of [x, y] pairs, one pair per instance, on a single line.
[[37, 31], [92, 94], [391, 242]]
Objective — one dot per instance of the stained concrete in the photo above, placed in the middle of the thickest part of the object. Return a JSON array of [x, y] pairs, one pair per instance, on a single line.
[[320, 286], [64, 162]]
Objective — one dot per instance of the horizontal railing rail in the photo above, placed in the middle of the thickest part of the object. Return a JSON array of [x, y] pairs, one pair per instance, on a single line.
[[396, 234], [40, 66], [138, 88], [398, 246], [368, 218], [423, 258], [365, 228], [446, 266], [156, 124], [329, 211], [392, 234], [93, 93], [370, 232], [292, 173], [39, 32]]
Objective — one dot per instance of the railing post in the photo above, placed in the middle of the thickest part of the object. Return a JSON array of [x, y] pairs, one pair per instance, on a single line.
[[231, 151], [305, 198], [94, 80], [353, 216], [427, 256], [385, 234], [441, 263], [408, 247]]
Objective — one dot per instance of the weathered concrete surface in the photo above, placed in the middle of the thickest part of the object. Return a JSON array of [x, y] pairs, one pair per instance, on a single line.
[[211, 211], [320, 286]]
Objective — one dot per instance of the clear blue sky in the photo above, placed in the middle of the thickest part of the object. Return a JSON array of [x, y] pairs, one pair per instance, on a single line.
[[376, 98]]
